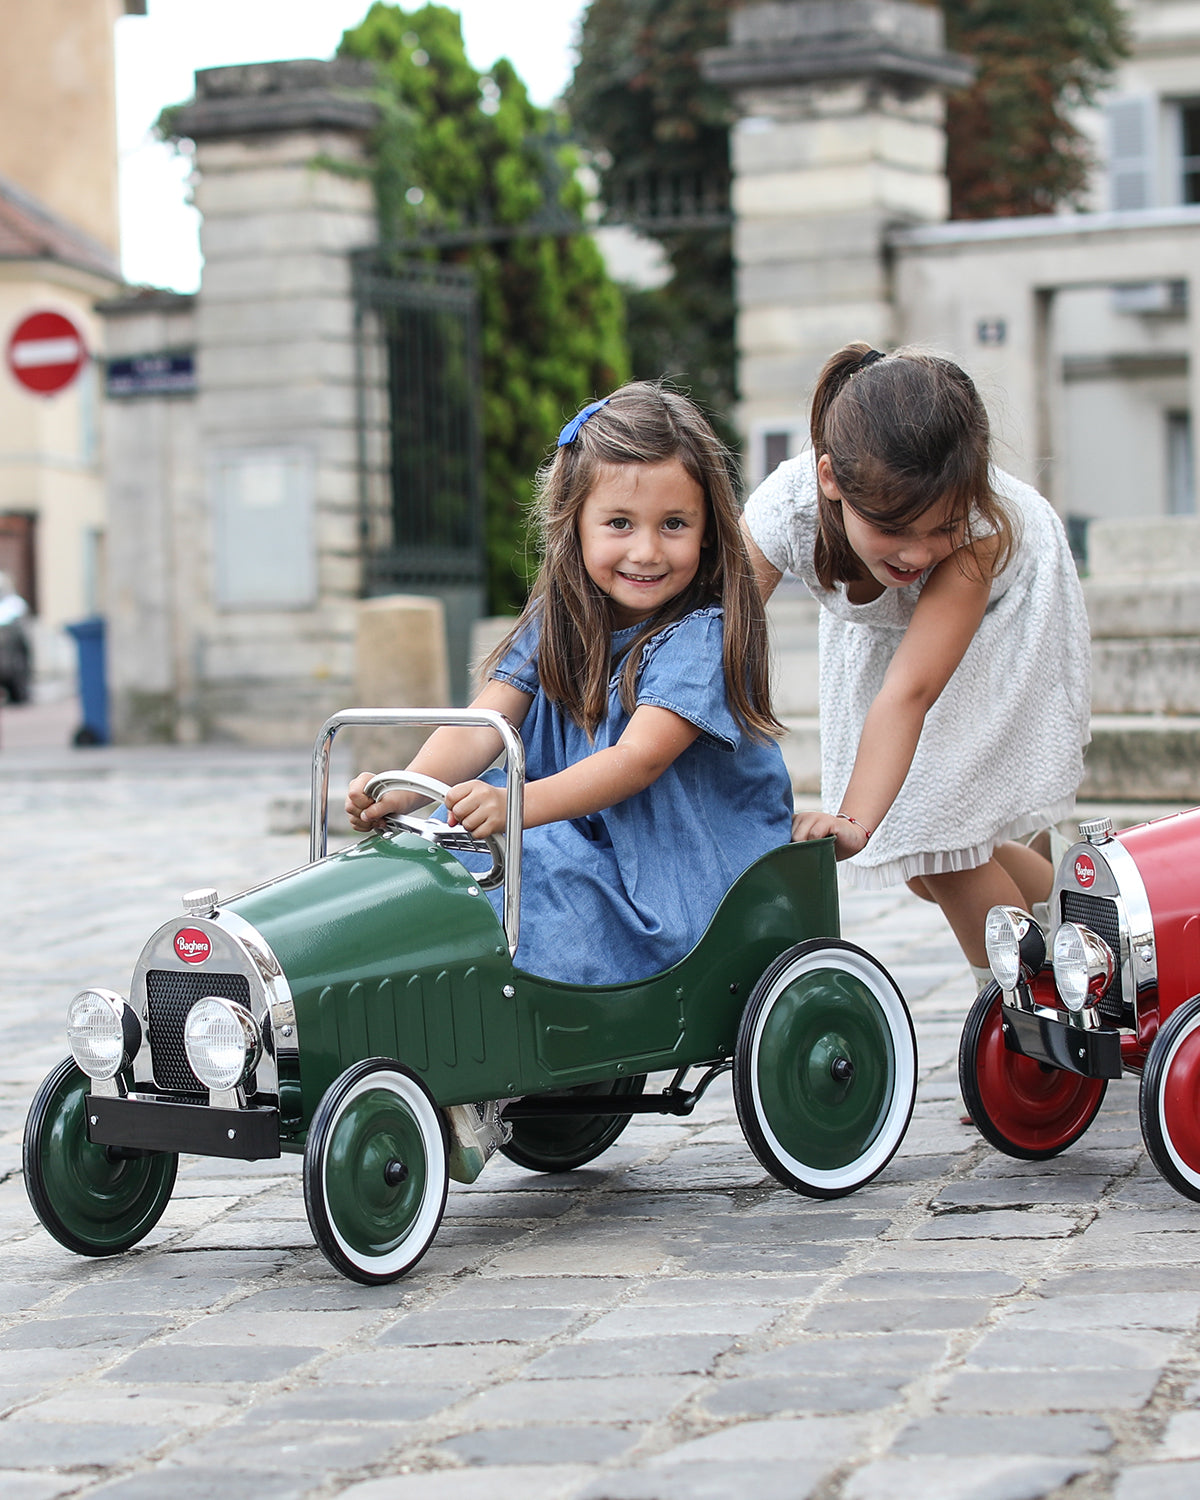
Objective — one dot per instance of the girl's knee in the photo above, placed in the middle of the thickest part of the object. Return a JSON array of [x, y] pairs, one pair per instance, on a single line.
[[918, 887]]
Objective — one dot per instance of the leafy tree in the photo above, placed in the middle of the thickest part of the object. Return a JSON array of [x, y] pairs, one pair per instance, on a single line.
[[639, 101], [1013, 147], [460, 151]]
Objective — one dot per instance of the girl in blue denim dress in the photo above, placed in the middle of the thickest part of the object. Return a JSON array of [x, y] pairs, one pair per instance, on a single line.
[[637, 676]]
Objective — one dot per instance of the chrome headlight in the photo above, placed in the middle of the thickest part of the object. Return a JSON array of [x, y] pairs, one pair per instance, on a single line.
[[103, 1033], [1083, 965], [1015, 945], [222, 1042]]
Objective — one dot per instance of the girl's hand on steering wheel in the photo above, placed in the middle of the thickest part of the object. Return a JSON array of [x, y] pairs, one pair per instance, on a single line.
[[849, 838], [365, 816], [478, 806]]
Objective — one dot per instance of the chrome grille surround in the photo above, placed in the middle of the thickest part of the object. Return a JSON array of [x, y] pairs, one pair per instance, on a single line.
[[1117, 898]]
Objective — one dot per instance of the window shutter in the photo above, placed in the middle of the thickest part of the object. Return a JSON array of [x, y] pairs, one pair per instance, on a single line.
[[1132, 151]]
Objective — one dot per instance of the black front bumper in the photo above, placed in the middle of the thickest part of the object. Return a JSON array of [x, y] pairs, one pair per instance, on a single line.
[[1093, 1052], [166, 1125]]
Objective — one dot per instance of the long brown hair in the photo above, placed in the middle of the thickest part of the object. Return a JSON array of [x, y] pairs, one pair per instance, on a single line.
[[902, 433], [642, 423]]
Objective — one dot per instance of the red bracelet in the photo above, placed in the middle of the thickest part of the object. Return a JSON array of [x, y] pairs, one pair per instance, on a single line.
[[857, 824]]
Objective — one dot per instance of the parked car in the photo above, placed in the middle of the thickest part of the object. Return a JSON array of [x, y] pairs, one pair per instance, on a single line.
[[16, 658], [336, 1011], [1112, 989]]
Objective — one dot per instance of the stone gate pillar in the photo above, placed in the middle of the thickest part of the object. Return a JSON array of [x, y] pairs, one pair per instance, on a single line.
[[840, 137], [272, 573]]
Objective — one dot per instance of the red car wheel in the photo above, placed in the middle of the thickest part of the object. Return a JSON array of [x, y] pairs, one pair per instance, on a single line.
[[1169, 1103], [1024, 1108]]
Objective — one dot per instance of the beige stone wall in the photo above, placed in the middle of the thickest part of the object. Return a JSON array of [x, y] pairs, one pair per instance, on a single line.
[[58, 133]]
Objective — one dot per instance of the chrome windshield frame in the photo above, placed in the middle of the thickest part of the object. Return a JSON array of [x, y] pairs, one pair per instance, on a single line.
[[473, 718]]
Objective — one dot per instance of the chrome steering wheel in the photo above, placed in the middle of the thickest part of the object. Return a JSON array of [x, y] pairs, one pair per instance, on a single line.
[[436, 830]]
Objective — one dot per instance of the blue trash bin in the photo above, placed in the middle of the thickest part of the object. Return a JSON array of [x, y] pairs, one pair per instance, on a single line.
[[93, 681]]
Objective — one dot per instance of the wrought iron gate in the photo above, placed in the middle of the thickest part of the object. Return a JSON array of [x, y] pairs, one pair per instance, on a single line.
[[420, 458]]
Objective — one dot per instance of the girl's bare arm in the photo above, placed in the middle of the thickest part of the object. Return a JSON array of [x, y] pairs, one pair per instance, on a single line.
[[766, 574], [452, 754], [653, 738], [944, 622]]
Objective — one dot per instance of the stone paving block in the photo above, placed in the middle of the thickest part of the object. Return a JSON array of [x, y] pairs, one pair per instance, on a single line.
[[147, 1296], [871, 1356], [99, 1332], [533, 1291], [167, 1482], [827, 1395], [238, 1325], [1060, 1435], [1014, 1192], [572, 1253], [15, 1485], [464, 1365], [889, 1285], [619, 1398], [1181, 1439], [396, 1404], [890, 1317], [793, 1480], [75, 1445], [1111, 1311], [1001, 1225], [724, 1260], [484, 1325], [203, 1363], [329, 1295], [961, 1478], [1015, 1348], [817, 1440], [16, 1296], [678, 1355], [759, 1291], [639, 1321], [315, 1449], [188, 1407], [510, 1205], [532, 1445], [1015, 1391], [1167, 1481], [518, 1482]]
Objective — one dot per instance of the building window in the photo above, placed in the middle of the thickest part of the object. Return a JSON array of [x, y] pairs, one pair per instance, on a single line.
[[1189, 152], [1181, 474], [776, 447]]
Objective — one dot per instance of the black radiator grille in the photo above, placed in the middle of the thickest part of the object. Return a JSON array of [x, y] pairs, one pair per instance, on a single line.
[[1101, 916], [170, 994]]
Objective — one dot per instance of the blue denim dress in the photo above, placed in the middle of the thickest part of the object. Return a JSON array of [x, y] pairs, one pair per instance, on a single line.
[[627, 892]]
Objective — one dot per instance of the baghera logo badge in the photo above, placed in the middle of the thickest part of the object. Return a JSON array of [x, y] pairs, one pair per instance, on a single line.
[[1085, 870], [192, 945]]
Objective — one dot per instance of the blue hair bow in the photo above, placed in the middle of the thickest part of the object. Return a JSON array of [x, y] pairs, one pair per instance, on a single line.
[[571, 431]]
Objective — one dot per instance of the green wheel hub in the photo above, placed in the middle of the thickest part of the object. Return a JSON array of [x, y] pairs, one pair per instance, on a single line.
[[825, 1068], [375, 1172], [91, 1199]]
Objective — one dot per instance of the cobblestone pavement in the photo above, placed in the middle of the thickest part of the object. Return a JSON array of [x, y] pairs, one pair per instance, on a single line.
[[667, 1324]]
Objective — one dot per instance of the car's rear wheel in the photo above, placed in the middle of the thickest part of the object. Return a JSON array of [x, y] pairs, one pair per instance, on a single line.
[[560, 1143], [93, 1199]]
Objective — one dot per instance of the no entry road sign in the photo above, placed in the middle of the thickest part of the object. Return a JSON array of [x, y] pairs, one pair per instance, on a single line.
[[46, 352]]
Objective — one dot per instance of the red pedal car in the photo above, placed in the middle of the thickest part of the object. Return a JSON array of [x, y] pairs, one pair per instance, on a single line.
[[1112, 988]]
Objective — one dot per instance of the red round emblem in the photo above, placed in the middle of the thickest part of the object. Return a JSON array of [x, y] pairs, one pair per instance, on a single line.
[[1085, 870], [45, 352], [192, 945]]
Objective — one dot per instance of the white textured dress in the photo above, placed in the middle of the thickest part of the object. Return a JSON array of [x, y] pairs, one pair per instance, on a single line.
[[1001, 752]]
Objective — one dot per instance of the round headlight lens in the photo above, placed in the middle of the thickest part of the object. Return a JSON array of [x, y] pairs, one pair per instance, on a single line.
[[102, 1032], [1083, 965], [1014, 943], [222, 1042]]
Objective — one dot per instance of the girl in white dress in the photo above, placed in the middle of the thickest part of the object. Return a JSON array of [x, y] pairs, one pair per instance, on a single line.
[[954, 650]]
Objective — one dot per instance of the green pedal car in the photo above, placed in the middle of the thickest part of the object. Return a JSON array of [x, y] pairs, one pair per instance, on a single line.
[[337, 1011]]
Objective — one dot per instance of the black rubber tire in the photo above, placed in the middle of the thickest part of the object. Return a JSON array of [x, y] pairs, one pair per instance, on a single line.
[[560, 1143]]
